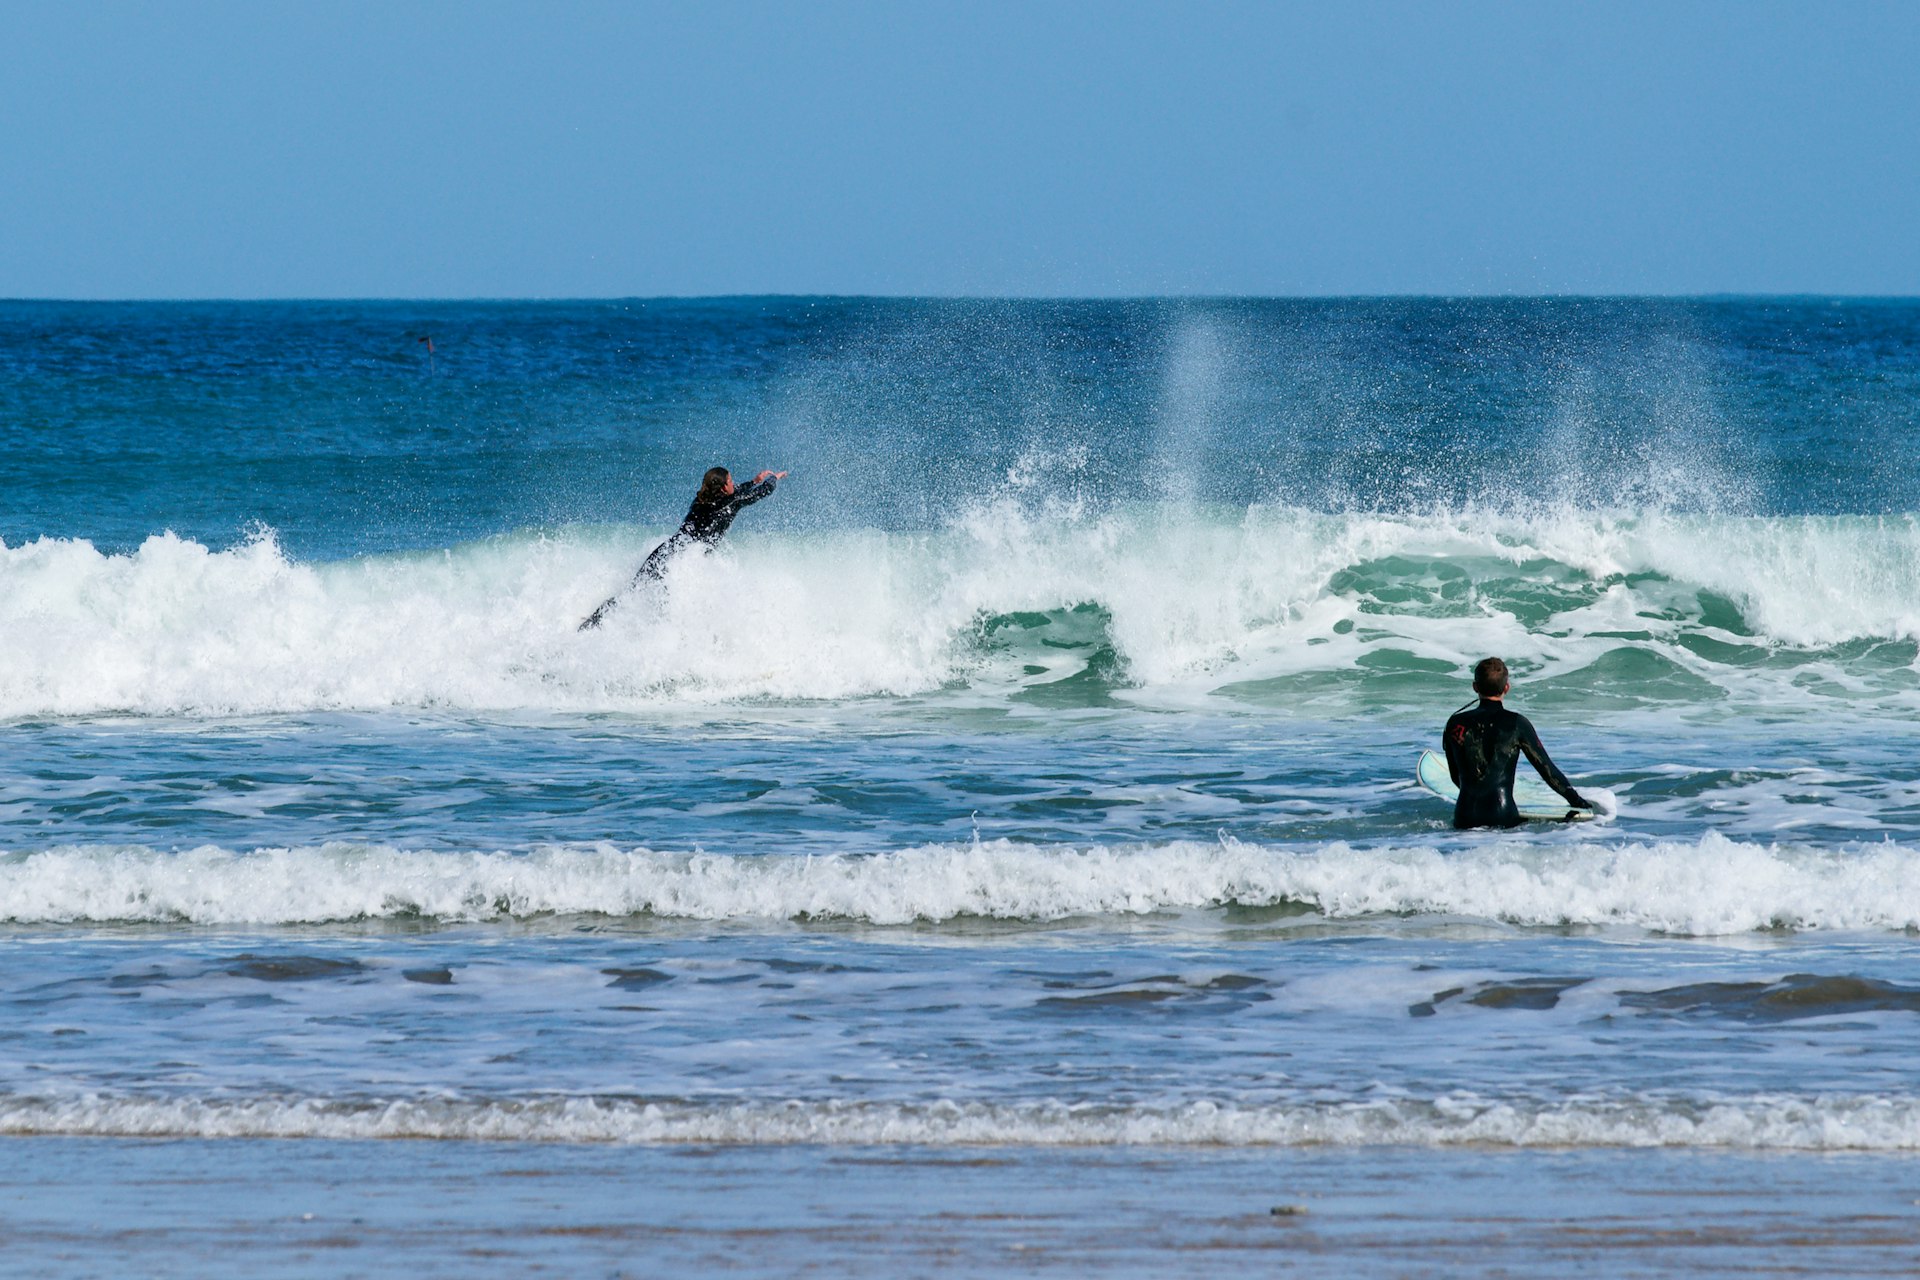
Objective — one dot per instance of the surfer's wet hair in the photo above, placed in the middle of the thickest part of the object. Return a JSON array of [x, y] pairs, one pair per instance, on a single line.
[[713, 486], [1490, 678]]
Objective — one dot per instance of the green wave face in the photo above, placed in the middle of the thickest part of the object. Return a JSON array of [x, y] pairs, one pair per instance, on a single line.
[[1025, 607]]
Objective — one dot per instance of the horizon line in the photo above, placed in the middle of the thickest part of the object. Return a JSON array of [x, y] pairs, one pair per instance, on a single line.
[[1714, 296]]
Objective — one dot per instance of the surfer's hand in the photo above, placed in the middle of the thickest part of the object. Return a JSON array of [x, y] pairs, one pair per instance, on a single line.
[[777, 475], [1579, 801]]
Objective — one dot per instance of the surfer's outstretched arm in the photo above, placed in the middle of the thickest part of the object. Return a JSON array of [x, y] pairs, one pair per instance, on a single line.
[[759, 487]]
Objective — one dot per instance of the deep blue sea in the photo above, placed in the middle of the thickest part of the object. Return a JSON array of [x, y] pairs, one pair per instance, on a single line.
[[1027, 785]]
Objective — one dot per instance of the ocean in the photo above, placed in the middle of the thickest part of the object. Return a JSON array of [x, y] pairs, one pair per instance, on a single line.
[[1002, 853]]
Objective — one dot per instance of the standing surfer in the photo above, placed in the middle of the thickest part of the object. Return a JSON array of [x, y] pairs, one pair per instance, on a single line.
[[1484, 743], [713, 510]]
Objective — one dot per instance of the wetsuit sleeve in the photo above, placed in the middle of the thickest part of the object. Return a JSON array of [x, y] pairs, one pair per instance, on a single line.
[[748, 494], [1548, 771], [1450, 739]]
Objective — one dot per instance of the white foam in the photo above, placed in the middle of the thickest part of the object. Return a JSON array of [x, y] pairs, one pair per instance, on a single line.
[[1770, 1122], [1191, 599], [1713, 886]]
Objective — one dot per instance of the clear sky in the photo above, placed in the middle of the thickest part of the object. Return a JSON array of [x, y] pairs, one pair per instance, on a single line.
[[428, 149]]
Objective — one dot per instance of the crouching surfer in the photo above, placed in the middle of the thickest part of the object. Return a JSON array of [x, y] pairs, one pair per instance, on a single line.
[[1484, 742], [712, 512]]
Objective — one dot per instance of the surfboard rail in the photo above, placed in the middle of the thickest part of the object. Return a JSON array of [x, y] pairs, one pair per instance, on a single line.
[[1535, 799]]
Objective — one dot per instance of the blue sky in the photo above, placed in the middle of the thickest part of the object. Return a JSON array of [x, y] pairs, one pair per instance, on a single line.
[[429, 149]]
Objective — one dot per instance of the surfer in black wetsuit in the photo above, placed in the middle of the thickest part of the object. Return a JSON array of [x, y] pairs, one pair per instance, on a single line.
[[713, 510], [1484, 743]]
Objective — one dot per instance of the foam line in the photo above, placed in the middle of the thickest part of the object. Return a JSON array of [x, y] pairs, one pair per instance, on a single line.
[[1712, 886], [1772, 1122]]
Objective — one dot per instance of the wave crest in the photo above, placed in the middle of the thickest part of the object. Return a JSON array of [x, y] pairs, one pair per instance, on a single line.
[[1714, 886], [1009, 598]]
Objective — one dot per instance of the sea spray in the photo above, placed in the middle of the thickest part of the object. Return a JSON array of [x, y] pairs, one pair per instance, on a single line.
[[1182, 598]]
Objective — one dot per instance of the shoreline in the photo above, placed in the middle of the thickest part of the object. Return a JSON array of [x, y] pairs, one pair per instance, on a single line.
[[264, 1208]]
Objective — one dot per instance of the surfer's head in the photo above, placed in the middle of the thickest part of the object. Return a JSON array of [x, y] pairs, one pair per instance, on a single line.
[[715, 485], [1490, 678]]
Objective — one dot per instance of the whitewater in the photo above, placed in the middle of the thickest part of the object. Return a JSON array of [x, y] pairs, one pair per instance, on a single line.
[[1712, 887], [1765, 1123], [1027, 785], [1151, 602]]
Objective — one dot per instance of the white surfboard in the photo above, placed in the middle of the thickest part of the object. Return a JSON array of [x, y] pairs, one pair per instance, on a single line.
[[1534, 798]]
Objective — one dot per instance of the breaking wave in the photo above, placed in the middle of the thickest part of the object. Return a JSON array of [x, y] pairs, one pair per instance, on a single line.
[[1007, 600], [1712, 886]]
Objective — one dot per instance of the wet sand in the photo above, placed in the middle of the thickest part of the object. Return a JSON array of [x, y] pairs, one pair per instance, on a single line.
[[161, 1208]]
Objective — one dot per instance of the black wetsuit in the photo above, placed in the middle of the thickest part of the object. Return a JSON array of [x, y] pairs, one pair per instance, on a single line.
[[1484, 743], [706, 523]]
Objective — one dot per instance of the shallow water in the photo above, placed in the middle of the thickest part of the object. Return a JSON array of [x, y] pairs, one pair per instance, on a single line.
[[1031, 774], [440, 1209]]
